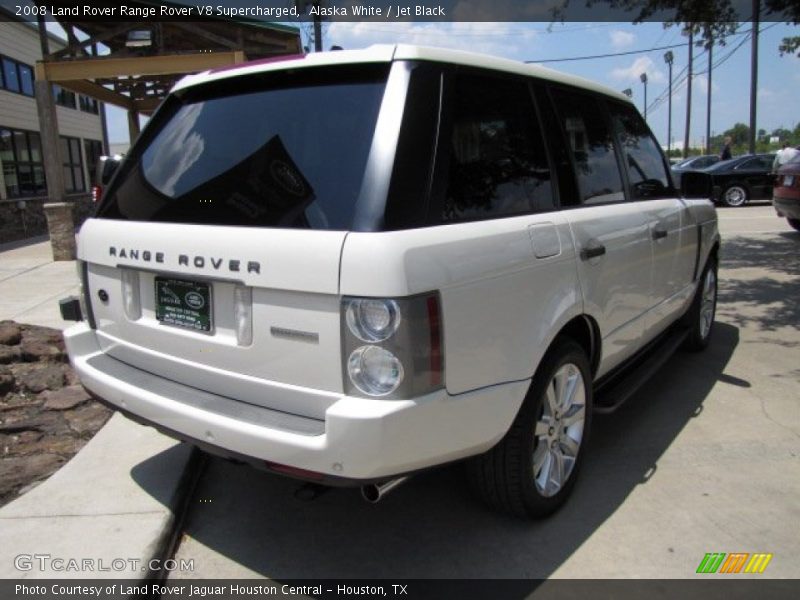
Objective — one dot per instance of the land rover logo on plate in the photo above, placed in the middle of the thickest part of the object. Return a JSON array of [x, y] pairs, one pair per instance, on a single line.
[[184, 303], [287, 178], [194, 300]]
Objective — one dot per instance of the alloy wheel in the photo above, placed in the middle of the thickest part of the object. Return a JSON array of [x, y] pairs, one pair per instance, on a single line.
[[559, 430], [735, 196], [708, 303]]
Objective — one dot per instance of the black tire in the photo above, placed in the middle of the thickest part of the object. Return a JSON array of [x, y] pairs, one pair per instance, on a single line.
[[700, 333], [735, 195], [504, 476], [794, 223]]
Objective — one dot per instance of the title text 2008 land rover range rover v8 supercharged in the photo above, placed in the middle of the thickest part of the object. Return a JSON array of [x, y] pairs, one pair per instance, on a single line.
[[352, 266]]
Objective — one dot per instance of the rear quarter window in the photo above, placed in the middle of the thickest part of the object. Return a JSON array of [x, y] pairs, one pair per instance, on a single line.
[[496, 159]]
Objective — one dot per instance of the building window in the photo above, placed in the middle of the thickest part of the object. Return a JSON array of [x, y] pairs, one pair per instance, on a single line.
[[64, 97], [89, 105], [16, 76], [73, 164], [21, 159], [93, 150]]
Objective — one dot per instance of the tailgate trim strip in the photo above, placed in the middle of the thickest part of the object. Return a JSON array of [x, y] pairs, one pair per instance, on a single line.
[[206, 401]]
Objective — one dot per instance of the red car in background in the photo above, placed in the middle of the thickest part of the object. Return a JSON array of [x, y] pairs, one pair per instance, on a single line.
[[786, 192]]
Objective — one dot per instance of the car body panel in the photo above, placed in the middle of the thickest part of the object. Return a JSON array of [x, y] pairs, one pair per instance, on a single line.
[[753, 173], [504, 287], [786, 193]]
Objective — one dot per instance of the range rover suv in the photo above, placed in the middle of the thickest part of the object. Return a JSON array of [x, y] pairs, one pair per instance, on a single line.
[[350, 267]]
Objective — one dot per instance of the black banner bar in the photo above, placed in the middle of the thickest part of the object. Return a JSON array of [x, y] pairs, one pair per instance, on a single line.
[[714, 588], [394, 11]]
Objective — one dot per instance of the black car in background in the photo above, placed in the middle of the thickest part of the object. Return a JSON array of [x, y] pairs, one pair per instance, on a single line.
[[735, 182], [693, 163]]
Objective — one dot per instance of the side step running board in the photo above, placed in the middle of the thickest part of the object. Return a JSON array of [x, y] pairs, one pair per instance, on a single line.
[[611, 396]]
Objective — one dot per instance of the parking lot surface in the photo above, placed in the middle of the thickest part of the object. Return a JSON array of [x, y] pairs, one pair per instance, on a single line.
[[703, 459]]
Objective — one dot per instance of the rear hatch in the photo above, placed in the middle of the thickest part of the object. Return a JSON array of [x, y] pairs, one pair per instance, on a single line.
[[214, 258]]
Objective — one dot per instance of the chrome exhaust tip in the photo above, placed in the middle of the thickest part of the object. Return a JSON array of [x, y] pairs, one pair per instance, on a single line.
[[374, 492]]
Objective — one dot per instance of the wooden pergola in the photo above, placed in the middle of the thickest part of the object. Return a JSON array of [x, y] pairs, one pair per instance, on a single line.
[[137, 78], [133, 65]]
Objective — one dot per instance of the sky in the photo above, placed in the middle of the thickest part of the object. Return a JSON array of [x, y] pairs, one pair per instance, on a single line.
[[778, 76]]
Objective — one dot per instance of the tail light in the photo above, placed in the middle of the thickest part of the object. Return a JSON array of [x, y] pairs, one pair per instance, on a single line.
[[130, 294], [243, 314], [97, 191], [392, 348]]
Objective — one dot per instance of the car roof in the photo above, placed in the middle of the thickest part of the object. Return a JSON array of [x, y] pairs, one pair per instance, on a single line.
[[384, 53], [732, 162]]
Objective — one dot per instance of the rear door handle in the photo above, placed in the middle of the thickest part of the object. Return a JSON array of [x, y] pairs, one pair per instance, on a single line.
[[593, 251], [659, 234]]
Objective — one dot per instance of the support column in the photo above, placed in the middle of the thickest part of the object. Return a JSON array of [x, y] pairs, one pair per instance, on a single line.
[[133, 125], [61, 225], [62, 243], [63, 246]]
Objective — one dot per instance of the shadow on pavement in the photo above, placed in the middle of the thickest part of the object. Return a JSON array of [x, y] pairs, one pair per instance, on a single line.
[[431, 527], [22, 243], [773, 293]]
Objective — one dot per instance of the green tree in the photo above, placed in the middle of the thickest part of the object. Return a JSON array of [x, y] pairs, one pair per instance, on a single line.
[[739, 133], [782, 133]]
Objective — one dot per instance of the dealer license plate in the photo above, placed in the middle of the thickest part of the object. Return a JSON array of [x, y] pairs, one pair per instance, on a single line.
[[184, 304]]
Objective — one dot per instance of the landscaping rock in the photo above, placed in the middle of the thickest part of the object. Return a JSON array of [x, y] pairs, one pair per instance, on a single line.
[[65, 398], [9, 354], [38, 350], [38, 377], [87, 419], [18, 471], [10, 334], [45, 415], [7, 380]]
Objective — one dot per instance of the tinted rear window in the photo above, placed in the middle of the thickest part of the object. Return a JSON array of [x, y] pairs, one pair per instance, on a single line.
[[285, 149]]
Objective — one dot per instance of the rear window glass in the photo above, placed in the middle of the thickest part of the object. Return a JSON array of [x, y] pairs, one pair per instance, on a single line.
[[285, 149]]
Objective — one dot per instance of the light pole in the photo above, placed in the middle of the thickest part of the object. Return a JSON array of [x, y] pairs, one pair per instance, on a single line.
[[708, 98], [668, 58], [643, 77]]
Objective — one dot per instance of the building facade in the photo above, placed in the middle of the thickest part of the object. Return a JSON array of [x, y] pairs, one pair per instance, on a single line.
[[82, 139]]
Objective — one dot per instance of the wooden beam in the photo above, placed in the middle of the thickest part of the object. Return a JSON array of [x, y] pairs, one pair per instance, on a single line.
[[93, 68], [98, 92], [146, 105], [205, 34], [106, 35]]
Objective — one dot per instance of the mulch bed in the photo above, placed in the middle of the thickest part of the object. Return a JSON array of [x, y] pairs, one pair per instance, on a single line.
[[45, 414]]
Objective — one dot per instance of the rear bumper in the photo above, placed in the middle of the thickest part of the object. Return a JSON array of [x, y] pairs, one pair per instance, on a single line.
[[359, 439], [787, 207]]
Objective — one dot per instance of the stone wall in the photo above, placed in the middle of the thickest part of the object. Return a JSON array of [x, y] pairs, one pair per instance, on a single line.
[[22, 223]]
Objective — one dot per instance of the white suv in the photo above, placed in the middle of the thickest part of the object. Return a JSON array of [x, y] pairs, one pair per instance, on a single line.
[[348, 267]]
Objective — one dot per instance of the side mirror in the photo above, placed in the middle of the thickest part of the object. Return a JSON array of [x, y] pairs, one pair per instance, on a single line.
[[696, 185]]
